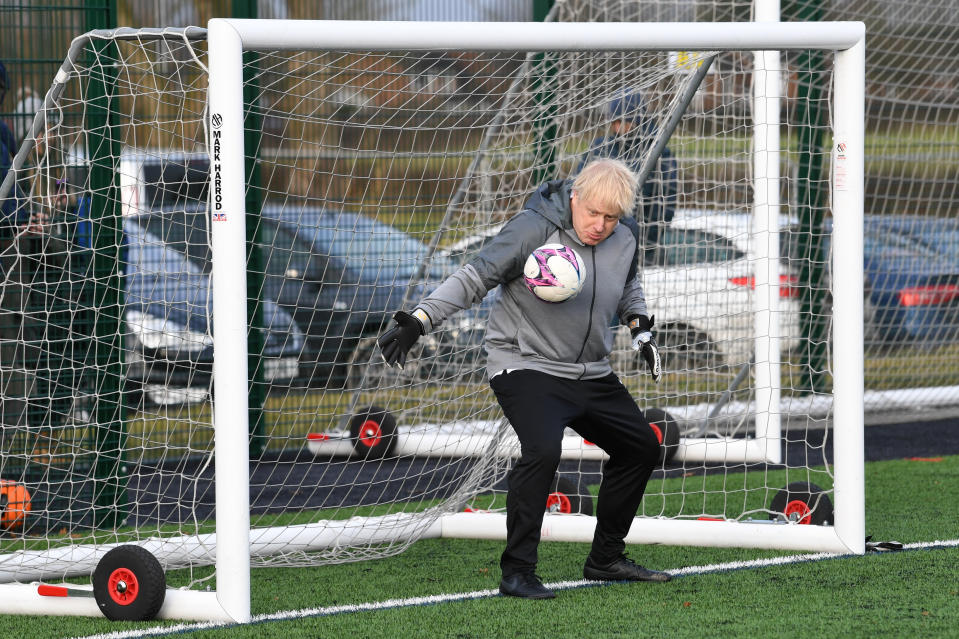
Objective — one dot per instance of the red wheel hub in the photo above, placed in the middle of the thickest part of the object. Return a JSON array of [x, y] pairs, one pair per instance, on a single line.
[[659, 433], [558, 503], [799, 511], [370, 433], [123, 586]]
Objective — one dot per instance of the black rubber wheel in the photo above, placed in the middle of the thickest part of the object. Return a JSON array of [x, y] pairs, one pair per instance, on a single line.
[[802, 502], [568, 496], [667, 432], [373, 431], [129, 584]]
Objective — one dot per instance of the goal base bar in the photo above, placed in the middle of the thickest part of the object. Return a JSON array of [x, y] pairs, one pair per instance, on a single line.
[[185, 605], [189, 605], [690, 449], [723, 534], [201, 550]]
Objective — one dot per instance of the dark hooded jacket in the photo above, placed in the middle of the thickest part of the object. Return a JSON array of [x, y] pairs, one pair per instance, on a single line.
[[571, 339], [8, 205]]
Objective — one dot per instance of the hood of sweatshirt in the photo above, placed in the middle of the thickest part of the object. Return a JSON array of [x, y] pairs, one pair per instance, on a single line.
[[551, 200]]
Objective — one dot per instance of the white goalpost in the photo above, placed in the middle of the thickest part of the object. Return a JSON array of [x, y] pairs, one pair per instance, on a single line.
[[246, 147]]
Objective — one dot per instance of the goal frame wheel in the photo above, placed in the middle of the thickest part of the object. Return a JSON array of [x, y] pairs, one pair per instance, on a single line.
[[804, 503], [568, 497], [373, 433], [129, 584], [667, 432]]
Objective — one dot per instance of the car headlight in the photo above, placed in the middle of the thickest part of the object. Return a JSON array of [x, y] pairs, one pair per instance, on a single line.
[[159, 334]]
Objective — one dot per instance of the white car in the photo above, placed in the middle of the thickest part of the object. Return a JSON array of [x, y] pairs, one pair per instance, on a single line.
[[700, 288]]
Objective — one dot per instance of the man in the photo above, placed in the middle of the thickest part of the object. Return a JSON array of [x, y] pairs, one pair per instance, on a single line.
[[632, 132], [548, 363], [8, 206]]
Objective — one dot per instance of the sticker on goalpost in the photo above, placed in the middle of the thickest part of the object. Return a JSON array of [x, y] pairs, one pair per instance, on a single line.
[[840, 177], [687, 61]]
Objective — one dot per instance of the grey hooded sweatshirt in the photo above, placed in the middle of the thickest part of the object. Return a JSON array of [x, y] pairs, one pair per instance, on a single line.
[[570, 339]]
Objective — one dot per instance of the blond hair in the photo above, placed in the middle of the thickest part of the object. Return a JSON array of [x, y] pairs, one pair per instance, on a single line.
[[607, 181]]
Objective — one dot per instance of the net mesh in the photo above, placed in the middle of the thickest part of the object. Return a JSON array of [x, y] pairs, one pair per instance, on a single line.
[[371, 177]]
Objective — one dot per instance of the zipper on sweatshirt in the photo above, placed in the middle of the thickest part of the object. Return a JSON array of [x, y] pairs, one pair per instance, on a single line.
[[592, 304]]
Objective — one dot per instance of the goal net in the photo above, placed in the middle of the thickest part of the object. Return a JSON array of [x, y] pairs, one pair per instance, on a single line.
[[180, 268]]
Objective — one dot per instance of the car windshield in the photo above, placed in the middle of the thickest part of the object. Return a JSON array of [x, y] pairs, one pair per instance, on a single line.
[[185, 231], [289, 255], [944, 241], [879, 242], [691, 246], [889, 246], [378, 251], [161, 277]]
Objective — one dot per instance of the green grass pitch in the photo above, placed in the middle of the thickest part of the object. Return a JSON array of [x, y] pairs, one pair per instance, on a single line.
[[901, 594]]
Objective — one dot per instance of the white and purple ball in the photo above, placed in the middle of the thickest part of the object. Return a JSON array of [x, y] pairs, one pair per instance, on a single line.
[[554, 273]]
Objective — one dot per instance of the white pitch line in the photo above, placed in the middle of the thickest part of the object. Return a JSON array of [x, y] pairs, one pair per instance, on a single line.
[[326, 611]]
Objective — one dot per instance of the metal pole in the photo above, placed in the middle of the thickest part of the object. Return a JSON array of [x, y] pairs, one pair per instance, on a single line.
[[256, 264], [848, 374], [764, 236], [811, 203], [687, 95]]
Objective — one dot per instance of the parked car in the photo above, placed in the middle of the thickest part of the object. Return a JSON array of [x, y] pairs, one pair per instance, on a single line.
[[339, 274], [372, 270], [910, 269], [701, 288], [170, 355], [912, 265]]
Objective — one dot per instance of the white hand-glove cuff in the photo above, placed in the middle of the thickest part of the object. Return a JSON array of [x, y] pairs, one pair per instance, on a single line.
[[641, 338], [424, 319]]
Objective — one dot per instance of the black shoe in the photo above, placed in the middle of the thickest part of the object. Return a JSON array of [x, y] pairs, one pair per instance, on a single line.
[[622, 569], [525, 585]]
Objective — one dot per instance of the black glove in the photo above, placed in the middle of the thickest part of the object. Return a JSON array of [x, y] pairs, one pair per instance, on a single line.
[[641, 328], [397, 342]]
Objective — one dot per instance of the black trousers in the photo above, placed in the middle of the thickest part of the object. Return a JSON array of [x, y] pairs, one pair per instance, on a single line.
[[539, 408]]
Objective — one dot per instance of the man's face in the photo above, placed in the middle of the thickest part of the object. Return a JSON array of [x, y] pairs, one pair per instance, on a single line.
[[592, 221], [620, 127]]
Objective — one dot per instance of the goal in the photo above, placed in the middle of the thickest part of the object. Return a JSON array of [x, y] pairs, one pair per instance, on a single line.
[[214, 225]]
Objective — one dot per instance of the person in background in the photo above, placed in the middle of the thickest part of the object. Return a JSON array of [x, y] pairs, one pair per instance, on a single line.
[[632, 133], [49, 198], [28, 105], [40, 294], [45, 184], [8, 148]]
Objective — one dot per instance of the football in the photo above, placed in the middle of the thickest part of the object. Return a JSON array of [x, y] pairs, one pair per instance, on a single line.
[[554, 273]]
